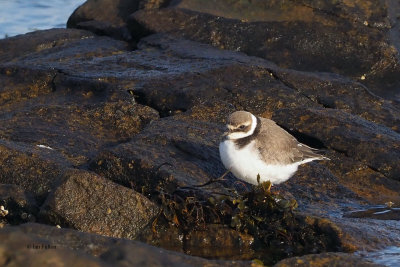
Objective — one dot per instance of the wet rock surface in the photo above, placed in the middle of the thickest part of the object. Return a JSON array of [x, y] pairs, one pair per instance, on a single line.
[[326, 259], [115, 131], [17, 249], [46, 245]]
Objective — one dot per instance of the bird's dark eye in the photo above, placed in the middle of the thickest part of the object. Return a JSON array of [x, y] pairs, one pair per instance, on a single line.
[[241, 127]]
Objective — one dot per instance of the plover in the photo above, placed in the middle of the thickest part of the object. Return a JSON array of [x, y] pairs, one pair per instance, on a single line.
[[257, 146]]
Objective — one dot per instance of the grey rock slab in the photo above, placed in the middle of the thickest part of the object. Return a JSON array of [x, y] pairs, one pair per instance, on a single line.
[[90, 203]]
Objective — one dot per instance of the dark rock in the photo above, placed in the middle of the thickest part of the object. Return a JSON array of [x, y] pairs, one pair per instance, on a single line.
[[113, 12], [15, 47], [145, 255], [376, 146], [361, 234], [85, 128], [163, 235], [167, 154], [362, 180], [52, 120], [66, 238], [67, 246], [219, 242], [379, 213], [35, 102], [91, 103], [104, 28], [287, 88], [329, 44], [20, 249], [333, 91], [243, 84], [259, 10], [20, 205], [321, 193], [61, 57], [92, 204], [150, 4], [209, 240], [232, 78], [326, 259], [107, 17], [33, 168], [314, 183]]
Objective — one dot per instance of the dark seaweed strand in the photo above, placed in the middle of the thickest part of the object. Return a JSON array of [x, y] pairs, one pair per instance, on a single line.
[[242, 142]]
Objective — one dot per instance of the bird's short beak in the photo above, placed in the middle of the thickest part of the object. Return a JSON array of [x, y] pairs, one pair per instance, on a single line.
[[225, 135]]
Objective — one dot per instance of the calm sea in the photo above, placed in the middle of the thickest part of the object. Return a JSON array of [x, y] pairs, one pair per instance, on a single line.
[[22, 16]]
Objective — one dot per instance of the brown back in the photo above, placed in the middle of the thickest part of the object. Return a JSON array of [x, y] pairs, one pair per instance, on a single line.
[[277, 146]]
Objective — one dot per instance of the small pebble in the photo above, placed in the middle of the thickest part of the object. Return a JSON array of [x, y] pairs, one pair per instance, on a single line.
[[3, 211], [58, 226], [363, 77]]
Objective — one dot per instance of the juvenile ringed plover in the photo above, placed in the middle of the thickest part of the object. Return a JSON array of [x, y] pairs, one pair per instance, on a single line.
[[255, 146]]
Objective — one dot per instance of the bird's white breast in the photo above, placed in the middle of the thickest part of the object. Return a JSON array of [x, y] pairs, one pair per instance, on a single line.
[[246, 164]]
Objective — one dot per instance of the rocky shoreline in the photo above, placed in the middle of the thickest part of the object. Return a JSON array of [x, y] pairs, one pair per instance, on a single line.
[[107, 128]]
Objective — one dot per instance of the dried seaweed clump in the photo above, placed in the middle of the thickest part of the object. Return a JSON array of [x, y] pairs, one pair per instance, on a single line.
[[278, 231], [271, 219]]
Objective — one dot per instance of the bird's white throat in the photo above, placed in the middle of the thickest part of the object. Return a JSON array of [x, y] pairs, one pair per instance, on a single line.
[[238, 135]]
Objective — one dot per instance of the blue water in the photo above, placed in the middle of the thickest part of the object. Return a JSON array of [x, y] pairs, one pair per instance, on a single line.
[[389, 256], [22, 16]]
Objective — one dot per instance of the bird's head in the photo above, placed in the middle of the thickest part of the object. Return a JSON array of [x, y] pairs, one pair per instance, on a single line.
[[240, 124]]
